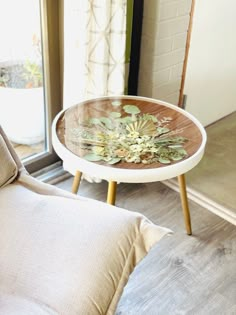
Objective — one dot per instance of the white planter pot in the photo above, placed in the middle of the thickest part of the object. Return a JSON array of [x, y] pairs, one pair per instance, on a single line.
[[22, 114]]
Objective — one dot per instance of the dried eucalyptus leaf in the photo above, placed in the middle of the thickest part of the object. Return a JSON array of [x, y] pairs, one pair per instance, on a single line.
[[116, 103], [131, 109], [176, 157], [92, 157], [125, 120], [182, 151], [114, 161], [115, 114], [107, 122], [163, 160], [95, 121]]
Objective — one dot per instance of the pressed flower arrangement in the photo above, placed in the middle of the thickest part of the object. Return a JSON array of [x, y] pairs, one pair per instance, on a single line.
[[133, 138]]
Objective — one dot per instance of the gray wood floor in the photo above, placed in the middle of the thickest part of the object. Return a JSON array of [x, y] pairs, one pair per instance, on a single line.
[[215, 175], [181, 274]]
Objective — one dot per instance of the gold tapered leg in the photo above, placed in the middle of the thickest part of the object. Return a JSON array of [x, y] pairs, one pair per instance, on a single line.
[[76, 182], [184, 200], [111, 193]]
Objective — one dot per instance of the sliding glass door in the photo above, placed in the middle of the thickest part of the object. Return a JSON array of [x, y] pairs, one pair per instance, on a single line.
[[29, 76]]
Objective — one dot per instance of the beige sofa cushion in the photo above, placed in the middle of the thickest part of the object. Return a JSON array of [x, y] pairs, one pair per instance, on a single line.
[[8, 167], [73, 256], [15, 305]]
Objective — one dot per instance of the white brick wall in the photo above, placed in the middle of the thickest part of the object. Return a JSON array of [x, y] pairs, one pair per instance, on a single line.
[[165, 25]]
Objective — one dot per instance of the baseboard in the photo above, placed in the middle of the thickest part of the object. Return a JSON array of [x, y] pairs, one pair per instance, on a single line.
[[204, 201]]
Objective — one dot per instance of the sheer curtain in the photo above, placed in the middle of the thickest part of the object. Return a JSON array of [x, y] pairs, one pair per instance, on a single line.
[[95, 62]]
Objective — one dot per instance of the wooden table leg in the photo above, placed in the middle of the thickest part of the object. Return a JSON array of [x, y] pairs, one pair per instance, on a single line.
[[111, 193], [76, 182], [184, 200]]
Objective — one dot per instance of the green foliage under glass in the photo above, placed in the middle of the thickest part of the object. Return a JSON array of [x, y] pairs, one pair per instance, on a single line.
[[134, 138]]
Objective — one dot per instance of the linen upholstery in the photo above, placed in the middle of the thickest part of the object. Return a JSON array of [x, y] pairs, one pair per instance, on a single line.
[[63, 254], [8, 167], [15, 305], [11, 150]]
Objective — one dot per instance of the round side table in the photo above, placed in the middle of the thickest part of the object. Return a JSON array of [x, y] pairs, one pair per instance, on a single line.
[[129, 139]]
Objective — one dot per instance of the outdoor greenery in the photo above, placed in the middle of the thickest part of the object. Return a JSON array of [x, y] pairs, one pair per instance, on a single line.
[[24, 74], [135, 138]]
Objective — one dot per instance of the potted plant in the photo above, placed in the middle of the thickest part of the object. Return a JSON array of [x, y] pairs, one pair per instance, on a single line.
[[22, 99]]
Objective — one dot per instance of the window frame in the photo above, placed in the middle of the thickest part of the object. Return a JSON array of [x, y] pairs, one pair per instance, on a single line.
[[51, 13]]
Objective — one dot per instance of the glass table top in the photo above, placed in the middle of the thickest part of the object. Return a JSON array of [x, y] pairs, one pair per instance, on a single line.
[[128, 132]]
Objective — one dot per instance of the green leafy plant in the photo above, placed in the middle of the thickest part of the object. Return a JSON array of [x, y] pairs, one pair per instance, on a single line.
[[33, 74], [27, 74], [134, 138], [23, 75]]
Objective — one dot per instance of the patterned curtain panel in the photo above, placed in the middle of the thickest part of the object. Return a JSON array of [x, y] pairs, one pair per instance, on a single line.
[[95, 55]]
